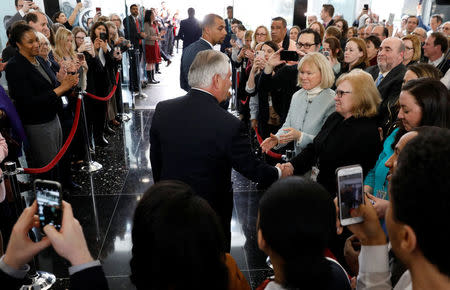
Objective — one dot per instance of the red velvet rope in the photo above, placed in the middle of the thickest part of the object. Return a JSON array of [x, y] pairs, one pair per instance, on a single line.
[[109, 96], [270, 152], [63, 149]]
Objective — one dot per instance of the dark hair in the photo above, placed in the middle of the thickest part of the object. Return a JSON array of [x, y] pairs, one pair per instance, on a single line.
[[419, 193], [344, 26], [374, 39], [413, 16], [148, 16], [335, 44], [229, 7], [209, 20], [133, 5], [283, 21], [56, 15], [236, 21], [434, 100], [329, 9], [17, 33], [272, 45], [440, 39], [241, 27], [310, 31], [31, 17], [191, 12], [297, 217], [438, 18], [177, 238], [97, 24]]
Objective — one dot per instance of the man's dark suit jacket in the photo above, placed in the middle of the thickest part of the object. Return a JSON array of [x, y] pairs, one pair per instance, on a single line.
[[187, 58], [92, 278], [131, 32], [195, 141], [389, 89], [226, 42], [190, 31], [444, 65]]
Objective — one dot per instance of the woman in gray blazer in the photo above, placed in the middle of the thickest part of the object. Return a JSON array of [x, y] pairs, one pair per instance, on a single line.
[[310, 106]]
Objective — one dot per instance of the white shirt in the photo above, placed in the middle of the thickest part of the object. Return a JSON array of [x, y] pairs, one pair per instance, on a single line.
[[212, 47], [437, 61]]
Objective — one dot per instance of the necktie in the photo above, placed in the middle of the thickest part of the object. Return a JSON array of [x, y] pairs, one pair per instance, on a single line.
[[379, 79], [138, 28]]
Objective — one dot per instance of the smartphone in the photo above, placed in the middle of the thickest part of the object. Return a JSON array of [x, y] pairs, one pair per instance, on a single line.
[[326, 53], [233, 37], [48, 196], [288, 55], [350, 193], [366, 6], [98, 10], [80, 56], [391, 18], [260, 53], [103, 36]]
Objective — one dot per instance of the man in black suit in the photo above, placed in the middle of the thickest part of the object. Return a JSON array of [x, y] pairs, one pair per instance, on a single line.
[[226, 43], [134, 33], [435, 49], [195, 141], [190, 29], [213, 32], [388, 76], [23, 7], [327, 15]]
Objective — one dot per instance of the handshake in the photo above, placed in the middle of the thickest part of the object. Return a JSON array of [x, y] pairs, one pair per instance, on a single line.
[[286, 169]]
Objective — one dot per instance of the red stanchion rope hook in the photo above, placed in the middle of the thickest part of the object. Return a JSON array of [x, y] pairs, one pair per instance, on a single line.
[[109, 96], [63, 149], [270, 152]]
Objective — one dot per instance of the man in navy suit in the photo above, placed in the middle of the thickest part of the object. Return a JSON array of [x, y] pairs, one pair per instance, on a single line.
[[213, 32], [226, 43], [190, 29], [195, 141]]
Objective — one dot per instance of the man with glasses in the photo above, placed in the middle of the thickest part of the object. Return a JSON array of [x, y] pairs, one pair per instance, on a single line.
[[388, 76], [380, 31], [283, 84]]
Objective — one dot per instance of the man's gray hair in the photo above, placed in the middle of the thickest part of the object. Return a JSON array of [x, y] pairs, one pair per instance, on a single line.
[[205, 66]]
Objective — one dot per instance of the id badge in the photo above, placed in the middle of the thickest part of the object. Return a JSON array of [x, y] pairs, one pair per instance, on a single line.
[[314, 173], [381, 194]]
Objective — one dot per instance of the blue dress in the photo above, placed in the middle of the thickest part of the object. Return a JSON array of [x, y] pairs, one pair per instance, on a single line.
[[376, 178]]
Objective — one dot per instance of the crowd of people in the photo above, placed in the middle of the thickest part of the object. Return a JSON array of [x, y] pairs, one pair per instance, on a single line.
[[348, 93]]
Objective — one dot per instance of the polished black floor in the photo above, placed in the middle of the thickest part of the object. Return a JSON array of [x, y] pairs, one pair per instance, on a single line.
[[107, 201]]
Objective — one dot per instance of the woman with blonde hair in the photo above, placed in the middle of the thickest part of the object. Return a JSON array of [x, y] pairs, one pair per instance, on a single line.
[[413, 50], [349, 136], [261, 35], [310, 106]]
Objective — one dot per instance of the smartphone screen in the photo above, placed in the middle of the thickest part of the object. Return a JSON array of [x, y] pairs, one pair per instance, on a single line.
[[366, 6], [288, 55], [48, 196], [98, 9], [351, 194]]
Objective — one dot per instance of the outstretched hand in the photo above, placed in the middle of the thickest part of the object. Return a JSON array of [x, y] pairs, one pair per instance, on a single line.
[[269, 143]]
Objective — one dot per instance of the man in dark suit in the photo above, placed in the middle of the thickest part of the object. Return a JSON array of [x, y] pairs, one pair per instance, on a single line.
[[228, 22], [327, 15], [134, 33], [23, 7], [388, 76], [190, 29], [213, 32], [194, 140], [435, 49]]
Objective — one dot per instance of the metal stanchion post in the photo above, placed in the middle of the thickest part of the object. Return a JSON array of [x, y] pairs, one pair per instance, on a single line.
[[40, 280], [138, 68], [92, 165], [124, 117]]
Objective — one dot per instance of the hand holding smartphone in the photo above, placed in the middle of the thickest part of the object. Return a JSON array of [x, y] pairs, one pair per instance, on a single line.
[[289, 55], [350, 193], [48, 196]]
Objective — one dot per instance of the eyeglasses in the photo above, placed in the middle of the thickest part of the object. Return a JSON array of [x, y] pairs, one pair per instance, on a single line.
[[79, 37], [409, 48], [260, 34], [306, 45], [340, 93]]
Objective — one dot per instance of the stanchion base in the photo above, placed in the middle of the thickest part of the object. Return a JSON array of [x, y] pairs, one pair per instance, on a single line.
[[124, 117], [92, 167], [40, 281], [141, 96]]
